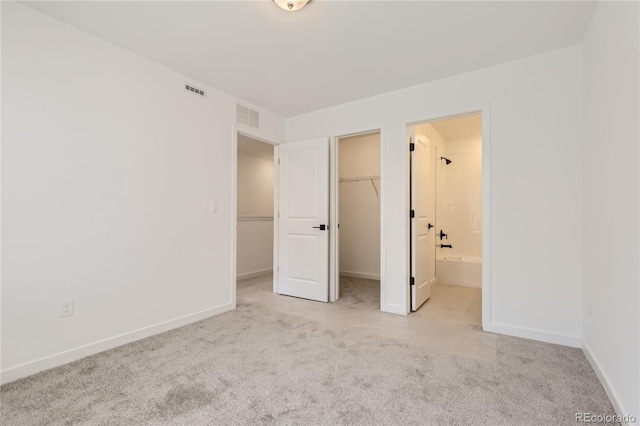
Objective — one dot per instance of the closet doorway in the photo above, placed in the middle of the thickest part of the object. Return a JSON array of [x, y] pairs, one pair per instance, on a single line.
[[358, 206], [255, 192]]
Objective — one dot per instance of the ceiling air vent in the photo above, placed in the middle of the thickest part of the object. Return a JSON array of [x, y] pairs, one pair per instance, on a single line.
[[195, 90], [247, 116]]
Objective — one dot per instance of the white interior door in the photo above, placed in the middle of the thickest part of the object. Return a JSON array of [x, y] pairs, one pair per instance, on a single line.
[[303, 240], [423, 221], [336, 220]]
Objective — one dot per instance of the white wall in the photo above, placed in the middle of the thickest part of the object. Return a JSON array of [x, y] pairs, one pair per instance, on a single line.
[[255, 185], [359, 206], [255, 246], [108, 171], [255, 214], [536, 187], [428, 131], [459, 199], [611, 202]]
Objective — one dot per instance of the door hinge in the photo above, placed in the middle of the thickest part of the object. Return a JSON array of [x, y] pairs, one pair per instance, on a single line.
[[412, 281], [412, 146], [412, 214]]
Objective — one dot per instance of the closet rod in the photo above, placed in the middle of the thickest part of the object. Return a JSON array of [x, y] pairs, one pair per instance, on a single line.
[[359, 178]]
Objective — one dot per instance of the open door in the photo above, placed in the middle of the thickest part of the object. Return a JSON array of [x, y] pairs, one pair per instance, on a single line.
[[335, 244], [423, 220], [303, 234]]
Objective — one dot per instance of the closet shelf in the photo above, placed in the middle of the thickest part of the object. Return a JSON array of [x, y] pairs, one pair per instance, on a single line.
[[254, 218], [363, 178], [356, 179]]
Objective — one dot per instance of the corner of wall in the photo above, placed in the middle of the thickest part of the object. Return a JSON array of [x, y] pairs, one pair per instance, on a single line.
[[607, 385]]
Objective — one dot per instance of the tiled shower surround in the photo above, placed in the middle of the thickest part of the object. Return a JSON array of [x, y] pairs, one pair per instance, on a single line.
[[459, 198]]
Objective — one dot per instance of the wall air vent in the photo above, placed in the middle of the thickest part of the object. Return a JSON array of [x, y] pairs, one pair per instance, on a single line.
[[189, 88], [247, 116]]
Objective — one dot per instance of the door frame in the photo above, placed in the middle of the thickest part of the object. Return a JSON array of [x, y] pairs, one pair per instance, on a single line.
[[234, 204], [334, 196], [485, 111]]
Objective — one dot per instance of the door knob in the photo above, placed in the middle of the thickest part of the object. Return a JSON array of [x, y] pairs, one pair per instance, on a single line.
[[321, 227]]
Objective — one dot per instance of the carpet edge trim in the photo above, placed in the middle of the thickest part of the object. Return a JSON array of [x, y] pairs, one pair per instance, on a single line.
[[534, 334], [45, 363], [604, 380]]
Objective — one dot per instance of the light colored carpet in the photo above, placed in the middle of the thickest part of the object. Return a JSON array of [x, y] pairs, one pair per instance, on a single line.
[[359, 293], [262, 365]]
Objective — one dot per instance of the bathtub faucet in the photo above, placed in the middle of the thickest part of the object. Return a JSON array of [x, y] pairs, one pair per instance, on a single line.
[[445, 246]]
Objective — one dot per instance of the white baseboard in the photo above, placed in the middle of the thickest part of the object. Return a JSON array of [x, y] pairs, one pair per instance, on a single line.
[[606, 383], [533, 334], [360, 275], [33, 367], [253, 274], [394, 309], [459, 282]]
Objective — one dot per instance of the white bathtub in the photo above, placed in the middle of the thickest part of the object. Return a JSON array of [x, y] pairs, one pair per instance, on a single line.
[[466, 271]]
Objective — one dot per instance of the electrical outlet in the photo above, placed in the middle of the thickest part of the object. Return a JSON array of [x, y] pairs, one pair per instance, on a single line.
[[66, 308], [214, 207]]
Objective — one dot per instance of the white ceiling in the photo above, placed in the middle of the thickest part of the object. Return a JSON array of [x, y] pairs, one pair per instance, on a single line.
[[330, 52], [254, 147], [468, 126]]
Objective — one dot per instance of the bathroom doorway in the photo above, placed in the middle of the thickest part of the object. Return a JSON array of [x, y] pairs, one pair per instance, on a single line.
[[446, 226]]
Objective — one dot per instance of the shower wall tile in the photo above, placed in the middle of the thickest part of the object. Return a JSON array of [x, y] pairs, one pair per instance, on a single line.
[[459, 198]]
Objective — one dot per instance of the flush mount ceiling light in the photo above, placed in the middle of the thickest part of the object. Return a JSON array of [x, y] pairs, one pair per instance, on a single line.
[[291, 5]]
